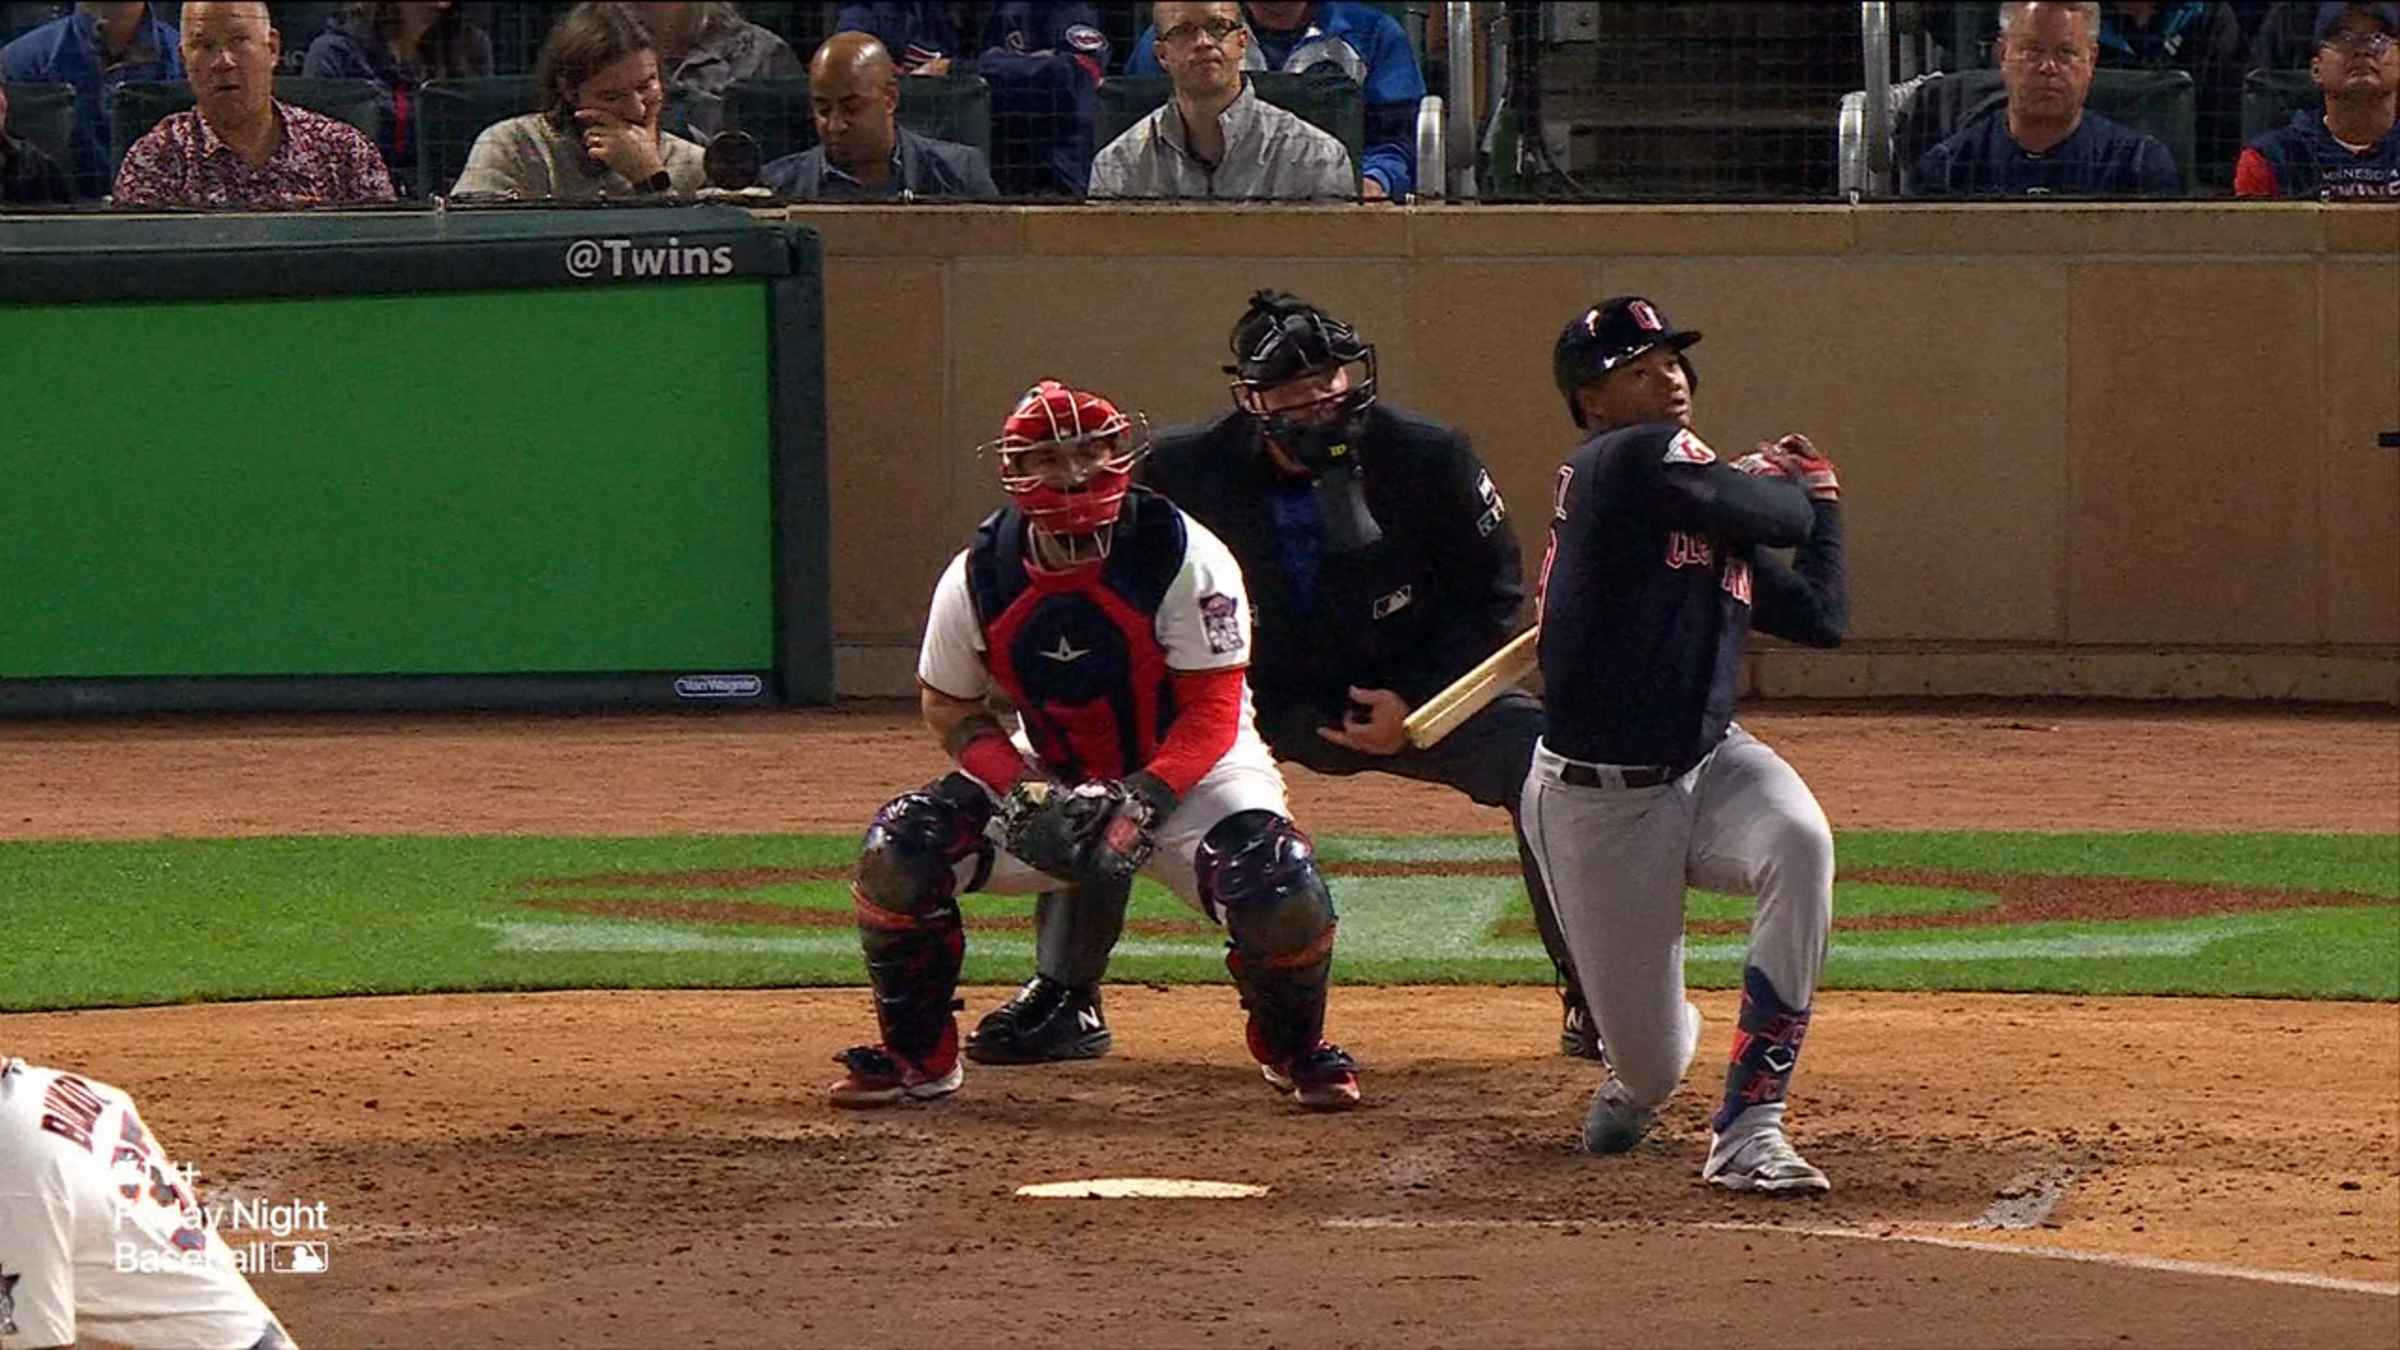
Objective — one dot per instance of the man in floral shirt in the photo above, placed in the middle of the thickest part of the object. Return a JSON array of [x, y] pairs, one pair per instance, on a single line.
[[240, 147]]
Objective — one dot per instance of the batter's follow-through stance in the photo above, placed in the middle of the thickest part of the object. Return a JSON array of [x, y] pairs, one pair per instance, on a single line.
[[1643, 781], [1119, 630]]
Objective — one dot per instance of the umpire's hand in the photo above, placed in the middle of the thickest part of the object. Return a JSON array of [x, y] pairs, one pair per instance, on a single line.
[[1376, 723]]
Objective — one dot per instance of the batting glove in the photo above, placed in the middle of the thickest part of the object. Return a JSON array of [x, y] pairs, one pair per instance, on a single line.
[[1809, 469]]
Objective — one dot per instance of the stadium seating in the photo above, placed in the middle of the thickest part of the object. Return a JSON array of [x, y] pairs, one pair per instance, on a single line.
[[2270, 97], [44, 114], [138, 105], [776, 112], [2161, 103], [1326, 99]]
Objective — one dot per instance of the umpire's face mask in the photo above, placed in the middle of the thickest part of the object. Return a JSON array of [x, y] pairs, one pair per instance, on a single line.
[[1315, 419]]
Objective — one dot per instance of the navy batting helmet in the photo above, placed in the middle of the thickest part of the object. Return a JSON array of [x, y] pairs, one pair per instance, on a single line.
[[1608, 335]]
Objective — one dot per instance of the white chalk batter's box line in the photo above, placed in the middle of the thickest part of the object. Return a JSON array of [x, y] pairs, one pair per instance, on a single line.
[[2167, 1264]]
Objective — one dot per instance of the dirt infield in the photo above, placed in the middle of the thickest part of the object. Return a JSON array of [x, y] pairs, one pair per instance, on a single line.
[[657, 1168]]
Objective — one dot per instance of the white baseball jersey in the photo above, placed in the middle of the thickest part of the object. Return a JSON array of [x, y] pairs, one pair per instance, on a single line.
[[1201, 623], [98, 1234]]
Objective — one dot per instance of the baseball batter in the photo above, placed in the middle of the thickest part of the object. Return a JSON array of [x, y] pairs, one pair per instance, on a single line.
[[1643, 782], [99, 1237], [1119, 630]]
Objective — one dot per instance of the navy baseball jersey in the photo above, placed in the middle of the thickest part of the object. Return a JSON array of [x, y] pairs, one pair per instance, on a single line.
[[2099, 158], [2306, 160], [1653, 580]]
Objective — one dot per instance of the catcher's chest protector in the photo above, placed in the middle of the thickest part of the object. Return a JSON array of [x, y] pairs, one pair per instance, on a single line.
[[1080, 657]]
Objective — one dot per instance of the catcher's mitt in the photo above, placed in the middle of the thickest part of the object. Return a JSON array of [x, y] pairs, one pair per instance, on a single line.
[[1099, 831]]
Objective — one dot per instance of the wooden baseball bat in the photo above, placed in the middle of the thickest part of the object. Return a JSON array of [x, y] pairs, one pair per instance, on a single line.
[[1474, 691]]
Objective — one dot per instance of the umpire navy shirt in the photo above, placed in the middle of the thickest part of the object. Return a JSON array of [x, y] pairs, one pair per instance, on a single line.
[[2304, 160], [2098, 158], [1653, 580], [1410, 612]]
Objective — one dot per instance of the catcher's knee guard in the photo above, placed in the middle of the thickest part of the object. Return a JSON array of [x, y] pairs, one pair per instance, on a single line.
[[905, 891], [1259, 872], [912, 854]]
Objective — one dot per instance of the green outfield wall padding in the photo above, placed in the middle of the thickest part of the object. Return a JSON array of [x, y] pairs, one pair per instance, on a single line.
[[541, 480]]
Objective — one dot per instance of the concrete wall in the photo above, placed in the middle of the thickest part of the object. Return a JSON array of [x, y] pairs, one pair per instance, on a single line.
[[2123, 451]]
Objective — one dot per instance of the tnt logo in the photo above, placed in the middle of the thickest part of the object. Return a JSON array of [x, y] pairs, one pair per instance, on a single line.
[[301, 1258]]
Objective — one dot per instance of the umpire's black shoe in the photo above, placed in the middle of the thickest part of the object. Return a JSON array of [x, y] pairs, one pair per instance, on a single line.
[[1578, 1034], [1046, 1021]]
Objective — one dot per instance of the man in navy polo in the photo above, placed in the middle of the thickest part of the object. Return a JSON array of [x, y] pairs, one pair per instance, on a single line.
[[2043, 142], [2351, 150], [95, 49]]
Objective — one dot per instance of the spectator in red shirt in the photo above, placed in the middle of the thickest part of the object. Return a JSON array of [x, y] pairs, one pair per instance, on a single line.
[[240, 147]]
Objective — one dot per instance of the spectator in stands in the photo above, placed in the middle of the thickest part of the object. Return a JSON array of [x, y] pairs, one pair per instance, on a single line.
[[921, 37], [862, 151], [2042, 141], [2202, 40], [240, 146], [400, 46], [95, 49], [2351, 150], [1361, 42], [27, 176], [596, 134], [704, 47], [2286, 38], [1044, 61], [1215, 137]]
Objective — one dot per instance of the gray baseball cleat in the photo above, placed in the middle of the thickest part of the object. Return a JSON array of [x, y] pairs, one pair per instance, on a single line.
[[1616, 1122], [1762, 1160]]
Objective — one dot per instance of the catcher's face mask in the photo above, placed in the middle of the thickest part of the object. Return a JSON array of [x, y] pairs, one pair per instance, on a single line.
[[1066, 456]]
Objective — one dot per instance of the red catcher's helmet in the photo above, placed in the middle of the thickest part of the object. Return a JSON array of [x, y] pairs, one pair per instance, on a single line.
[[1066, 457]]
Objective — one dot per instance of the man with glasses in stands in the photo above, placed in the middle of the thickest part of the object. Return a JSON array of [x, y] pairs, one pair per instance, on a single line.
[[2044, 142], [2349, 151], [1215, 138]]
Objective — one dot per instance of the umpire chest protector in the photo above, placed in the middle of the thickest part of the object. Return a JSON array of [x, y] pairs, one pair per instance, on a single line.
[[1078, 652]]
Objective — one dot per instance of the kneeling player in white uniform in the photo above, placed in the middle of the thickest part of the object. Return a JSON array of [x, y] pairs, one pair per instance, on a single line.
[[1118, 629], [99, 1236]]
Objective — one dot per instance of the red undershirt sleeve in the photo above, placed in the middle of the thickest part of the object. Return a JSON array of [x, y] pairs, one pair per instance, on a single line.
[[1210, 716]]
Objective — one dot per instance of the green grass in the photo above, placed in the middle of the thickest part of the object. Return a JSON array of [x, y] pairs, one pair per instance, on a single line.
[[95, 924]]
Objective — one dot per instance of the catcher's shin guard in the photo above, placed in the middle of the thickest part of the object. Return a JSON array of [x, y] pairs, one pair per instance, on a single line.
[[1766, 1048], [905, 894], [1259, 871]]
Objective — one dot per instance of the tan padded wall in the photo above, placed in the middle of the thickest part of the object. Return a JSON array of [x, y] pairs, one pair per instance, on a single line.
[[2089, 449]]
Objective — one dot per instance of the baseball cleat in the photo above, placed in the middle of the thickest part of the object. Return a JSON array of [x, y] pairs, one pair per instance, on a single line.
[[1762, 1161], [877, 1077], [1324, 1079], [1046, 1021], [1616, 1122], [1578, 1034]]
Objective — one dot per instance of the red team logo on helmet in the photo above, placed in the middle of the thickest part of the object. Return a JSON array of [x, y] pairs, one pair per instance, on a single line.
[[1066, 458], [1644, 315]]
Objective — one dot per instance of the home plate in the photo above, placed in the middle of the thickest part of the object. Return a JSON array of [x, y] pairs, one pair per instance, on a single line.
[[1141, 1188]]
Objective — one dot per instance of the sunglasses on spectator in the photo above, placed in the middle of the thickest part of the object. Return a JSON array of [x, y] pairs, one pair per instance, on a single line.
[[2365, 44], [1185, 34]]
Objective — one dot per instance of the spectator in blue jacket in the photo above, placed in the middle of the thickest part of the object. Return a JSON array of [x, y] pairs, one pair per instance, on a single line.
[[1362, 42], [2043, 141], [400, 46], [95, 49], [2350, 151], [920, 36], [1043, 62], [862, 152]]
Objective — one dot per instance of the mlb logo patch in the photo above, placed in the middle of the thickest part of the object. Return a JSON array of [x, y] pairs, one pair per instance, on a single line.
[[1398, 600], [1687, 448], [1645, 316], [1221, 622]]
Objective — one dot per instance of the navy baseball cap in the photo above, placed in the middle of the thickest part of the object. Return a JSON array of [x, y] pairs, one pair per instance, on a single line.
[[1608, 335], [2329, 17]]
